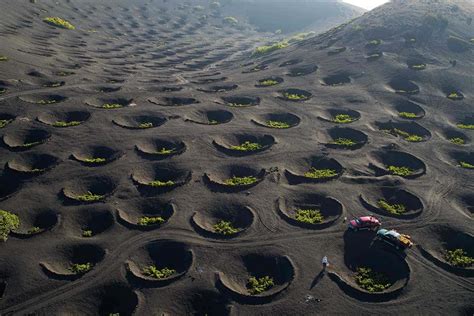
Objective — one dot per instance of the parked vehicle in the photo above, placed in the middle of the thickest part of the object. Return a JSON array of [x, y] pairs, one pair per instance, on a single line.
[[365, 223], [394, 238]]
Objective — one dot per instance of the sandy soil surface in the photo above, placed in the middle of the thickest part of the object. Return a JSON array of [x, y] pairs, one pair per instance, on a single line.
[[143, 108]]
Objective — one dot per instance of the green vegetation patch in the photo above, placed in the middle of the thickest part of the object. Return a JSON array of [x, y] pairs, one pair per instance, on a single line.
[[259, 285], [247, 146], [371, 281], [457, 140], [465, 126], [266, 49], [225, 228], [66, 124], [153, 272], [396, 209], [236, 181], [231, 20], [34, 230], [277, 124], [418, 67], [400, 171], [314, 173], [87, 233], [309, 216], [406, 136], [94, 160], [165, 151], [466, 165], [45, 102], [343, 119], [145, 125], [158, 183], [268, 82], [455, 96], [89, 197], [150, 220], [344, 142], [4, 123], [375, 42], [295, 96], [58, 22], [408, 115], [8, 222], [110, 106], [459, 258], [81, 268], [3, 58]]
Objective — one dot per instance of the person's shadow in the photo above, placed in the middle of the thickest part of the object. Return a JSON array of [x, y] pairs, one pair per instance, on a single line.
[[318, 278]]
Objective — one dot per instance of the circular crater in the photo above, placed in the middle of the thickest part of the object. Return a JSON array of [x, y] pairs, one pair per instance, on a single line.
[[159, 263], [269, 82], [35, 222], [211, 117], [145, 214], [92, 221], [278, 120], [234, 178], [32, 164], [64, 119], [438, 240], [397, 163], [467, 201], [224, 219], [143, 121], [456, 137], [241, 101], [173, 101], [393, 202], [160, 148], [43, 99], [390, 267], [403, 86], [315, 169], [89, 190], [294, 95], [206, 302], [115, 299], [110, 103], [219, 88], [25, 139], [462, 159], [409, 110], [454, 94], [170, 89], [106, 89], [290, 62], [310, 210], [408, 131], [340, 116], [6, 119], [9, 185], [158, 178], [244, 144], [94, 156], [346, 138], [70, 262], [235, 283], [302, 70], [338, 79]]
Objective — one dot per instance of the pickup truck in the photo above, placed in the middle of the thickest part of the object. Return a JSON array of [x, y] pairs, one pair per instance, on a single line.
[[394, 238]]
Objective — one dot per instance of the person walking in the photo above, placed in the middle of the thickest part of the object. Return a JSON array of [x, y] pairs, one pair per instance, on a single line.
[[325, 262]]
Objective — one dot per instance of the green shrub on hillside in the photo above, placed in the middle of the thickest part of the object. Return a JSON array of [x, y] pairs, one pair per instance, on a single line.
[[8, 222], [58, 22]]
